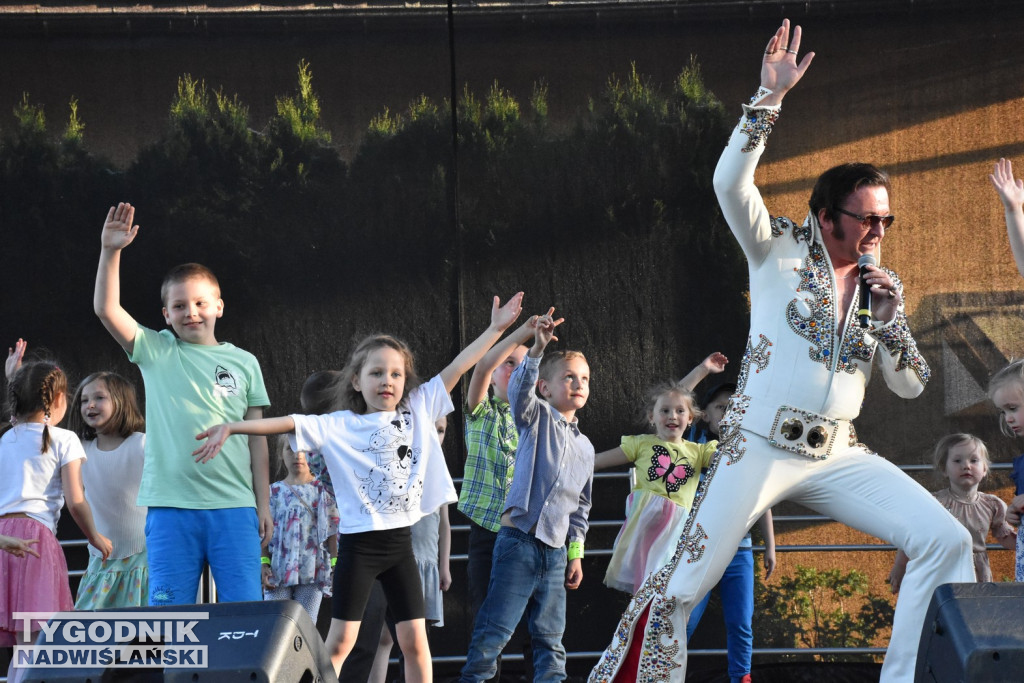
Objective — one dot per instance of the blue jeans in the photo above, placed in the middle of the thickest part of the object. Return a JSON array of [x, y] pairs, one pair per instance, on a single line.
[[526, 577], [182, 542], [737, 591]]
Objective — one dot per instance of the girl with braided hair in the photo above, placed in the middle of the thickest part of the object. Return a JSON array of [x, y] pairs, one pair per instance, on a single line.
[[42, 468]]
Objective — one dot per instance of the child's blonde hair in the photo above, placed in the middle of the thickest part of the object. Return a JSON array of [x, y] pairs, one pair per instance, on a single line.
[[126, 418], [1014, 372], [654, 395], [348, 397], [554, 359], [947, 443]]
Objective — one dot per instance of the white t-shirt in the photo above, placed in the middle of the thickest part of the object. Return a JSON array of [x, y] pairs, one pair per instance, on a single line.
[[112, 481], [387, 468], [31, 482]]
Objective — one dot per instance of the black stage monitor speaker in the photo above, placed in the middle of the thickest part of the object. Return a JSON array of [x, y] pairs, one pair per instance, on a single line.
[[266, 642], [973, 633]]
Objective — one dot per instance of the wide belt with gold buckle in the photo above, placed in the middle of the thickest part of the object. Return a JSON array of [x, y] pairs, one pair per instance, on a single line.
[[806, 433]]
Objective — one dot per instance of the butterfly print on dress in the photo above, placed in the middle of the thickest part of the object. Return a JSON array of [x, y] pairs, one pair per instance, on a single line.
[[662, 467]]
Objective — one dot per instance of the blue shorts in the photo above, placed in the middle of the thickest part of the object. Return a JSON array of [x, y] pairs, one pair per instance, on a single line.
[[182, 542]]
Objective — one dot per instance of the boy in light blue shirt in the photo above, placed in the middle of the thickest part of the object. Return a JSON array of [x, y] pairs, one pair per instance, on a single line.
[[547, 504]]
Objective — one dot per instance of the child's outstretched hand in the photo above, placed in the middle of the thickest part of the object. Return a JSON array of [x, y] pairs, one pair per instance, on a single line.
[[215, 438], [715, 363], [503, 316], [1011, 192], [14, 357], [118, 230], [19, 547]]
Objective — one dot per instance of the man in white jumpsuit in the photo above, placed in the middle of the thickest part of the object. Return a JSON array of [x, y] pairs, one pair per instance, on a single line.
[[787, 433]]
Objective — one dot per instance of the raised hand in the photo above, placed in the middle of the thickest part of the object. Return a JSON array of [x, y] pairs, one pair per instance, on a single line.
[[544, 331], [14, 357], [215, 438], [715, 363], [1011, 191], [779, 68], [503, 316], [118, 230], [534, 320]]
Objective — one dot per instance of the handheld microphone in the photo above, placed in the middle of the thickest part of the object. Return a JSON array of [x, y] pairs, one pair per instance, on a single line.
[[864, 313]]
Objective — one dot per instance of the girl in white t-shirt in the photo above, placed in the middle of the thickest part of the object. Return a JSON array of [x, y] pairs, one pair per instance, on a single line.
[[105, 415], [41, 469], [388, 470]]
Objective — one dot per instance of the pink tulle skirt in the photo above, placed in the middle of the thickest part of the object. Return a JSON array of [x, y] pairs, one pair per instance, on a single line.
[[31, 584], [646, 541]]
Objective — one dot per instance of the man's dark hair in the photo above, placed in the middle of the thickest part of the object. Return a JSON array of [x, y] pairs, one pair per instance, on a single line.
[[839, 182]]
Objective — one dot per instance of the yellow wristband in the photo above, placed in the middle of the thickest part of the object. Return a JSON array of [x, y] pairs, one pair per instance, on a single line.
[[334, 561], [264, 560], [575, 550]]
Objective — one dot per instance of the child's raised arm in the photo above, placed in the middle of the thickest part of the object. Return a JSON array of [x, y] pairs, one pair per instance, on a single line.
[[481, 377], [216, 436], [14, 357], [501, 318], [118, 233], [712, 365], [1011, 194]]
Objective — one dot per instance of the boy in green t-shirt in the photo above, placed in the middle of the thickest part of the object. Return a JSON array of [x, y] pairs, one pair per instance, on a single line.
[[215, 513]]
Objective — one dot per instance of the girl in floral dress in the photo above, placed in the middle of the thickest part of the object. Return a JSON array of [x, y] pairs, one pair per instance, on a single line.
[[298, 563]]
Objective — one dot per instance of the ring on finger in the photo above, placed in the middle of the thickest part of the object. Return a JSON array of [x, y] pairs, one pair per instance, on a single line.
[[891, 294], [792, 52]]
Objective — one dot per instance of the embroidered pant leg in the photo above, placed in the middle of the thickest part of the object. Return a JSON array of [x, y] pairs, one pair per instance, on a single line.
[[867, 492], [740, 485]]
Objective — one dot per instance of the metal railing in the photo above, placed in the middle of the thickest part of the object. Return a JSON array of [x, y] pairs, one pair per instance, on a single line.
[[615, 523]]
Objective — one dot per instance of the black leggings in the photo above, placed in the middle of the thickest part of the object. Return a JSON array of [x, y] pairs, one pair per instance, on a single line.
[[371, 555]]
